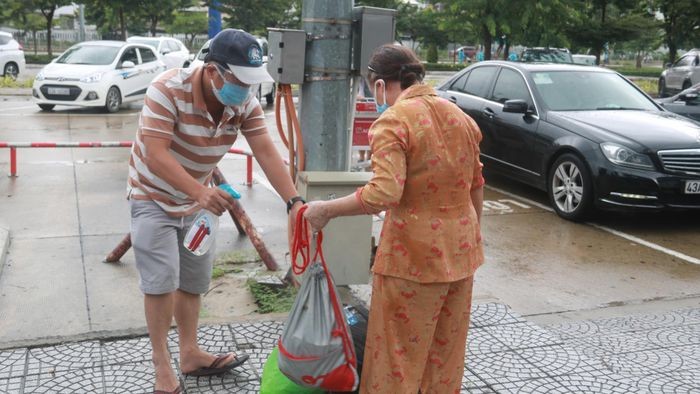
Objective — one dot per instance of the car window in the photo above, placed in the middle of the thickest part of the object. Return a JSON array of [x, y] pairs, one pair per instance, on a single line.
[[147, 55], [153, 43], [129, 55], [4, 40], [479, 81], [458, 85], [588, 91], [89, 54], [685, 61], [510, 85], [172, 45], [203, 52]]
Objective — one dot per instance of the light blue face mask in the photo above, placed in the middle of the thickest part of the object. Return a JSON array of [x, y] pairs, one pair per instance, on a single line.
[[380, 107], [230, 94]]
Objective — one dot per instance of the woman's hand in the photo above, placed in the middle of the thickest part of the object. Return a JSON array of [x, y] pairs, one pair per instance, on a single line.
[[318, 214]]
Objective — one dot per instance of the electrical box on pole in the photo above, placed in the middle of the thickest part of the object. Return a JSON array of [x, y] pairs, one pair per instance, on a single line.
[[287, 50], [372, 28], [347, 241]]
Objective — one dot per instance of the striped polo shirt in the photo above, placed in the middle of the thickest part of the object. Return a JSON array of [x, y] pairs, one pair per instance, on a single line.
[[174, 109]]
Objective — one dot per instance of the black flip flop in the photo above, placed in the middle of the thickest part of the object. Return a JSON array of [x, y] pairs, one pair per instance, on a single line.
[[216, 368]]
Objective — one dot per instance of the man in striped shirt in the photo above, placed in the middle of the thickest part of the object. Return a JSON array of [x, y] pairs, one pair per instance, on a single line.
[[190, 119]]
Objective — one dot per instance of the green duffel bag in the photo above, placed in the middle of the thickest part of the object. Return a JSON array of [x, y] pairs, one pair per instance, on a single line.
[[274, 381]]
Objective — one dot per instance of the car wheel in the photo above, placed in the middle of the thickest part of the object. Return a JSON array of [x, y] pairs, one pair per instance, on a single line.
[[570, 188], [662, 88], [46, 107], [270, 97], [11, 70], [113, 100]]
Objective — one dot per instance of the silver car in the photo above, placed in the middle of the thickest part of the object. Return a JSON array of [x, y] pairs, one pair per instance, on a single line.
[[681, 75]]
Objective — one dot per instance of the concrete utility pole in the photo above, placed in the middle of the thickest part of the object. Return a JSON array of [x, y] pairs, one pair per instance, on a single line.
[[325, 93], [81, 22]]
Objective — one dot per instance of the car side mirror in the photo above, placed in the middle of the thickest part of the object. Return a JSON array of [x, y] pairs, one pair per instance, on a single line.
[[165, 51], [688, 97], [515, 107], [128, 64], [668, 65]]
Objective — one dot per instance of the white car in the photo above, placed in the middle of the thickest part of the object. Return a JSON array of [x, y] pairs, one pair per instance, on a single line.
[[175, 53], [588, 60], [11, 56], [266, 89], [97, 74]]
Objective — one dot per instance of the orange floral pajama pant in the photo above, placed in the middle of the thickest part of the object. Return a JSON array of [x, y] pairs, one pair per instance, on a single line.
[[416, 336]]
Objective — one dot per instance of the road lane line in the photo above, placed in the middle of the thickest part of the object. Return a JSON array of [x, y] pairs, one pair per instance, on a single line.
[[620, 234], [648, 244]]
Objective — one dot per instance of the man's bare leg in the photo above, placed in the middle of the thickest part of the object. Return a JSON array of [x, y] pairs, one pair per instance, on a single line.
[[159, 316]]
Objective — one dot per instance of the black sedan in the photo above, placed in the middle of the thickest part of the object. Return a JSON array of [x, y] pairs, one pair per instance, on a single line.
[[686, 103], [586, 135]]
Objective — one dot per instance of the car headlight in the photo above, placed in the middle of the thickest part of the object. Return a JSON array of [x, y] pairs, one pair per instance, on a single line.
[[96, 77], [39, 76], [620, 155]]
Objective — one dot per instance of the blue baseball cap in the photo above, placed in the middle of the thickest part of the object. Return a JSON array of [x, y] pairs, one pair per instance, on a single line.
[[241, 53]]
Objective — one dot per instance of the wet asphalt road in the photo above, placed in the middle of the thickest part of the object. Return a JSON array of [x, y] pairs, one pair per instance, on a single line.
[[537, 263]]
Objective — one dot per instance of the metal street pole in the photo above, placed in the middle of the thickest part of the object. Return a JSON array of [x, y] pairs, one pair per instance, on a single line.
[[325, 93]]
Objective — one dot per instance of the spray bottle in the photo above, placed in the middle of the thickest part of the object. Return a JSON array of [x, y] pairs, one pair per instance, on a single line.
[[200, 236]]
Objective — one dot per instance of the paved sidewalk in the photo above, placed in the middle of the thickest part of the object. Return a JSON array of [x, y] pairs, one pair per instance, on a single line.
[[653, 353]]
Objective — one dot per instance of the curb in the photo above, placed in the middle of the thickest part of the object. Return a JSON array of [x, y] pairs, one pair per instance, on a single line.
[[15, 91], [4, 246]]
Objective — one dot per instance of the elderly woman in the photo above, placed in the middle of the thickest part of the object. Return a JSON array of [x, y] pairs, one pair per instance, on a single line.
[[427, 176]]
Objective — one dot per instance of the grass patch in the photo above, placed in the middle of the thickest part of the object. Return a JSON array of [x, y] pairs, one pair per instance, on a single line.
[[648, 86], [653, 72], [31, 58], [238, 257], [272, 299], [7, 82]]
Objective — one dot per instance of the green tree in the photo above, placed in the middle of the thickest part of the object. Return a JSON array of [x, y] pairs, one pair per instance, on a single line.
[[48, 9], [161, 11], [255, 16], [603, 22], [681, 23], [190, 24], [110, 15]]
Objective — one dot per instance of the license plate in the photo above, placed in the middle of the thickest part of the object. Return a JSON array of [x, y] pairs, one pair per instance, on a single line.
[[692, 187], [59, 91]]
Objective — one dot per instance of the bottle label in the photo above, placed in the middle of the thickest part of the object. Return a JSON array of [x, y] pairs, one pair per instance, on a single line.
[[197, 238]]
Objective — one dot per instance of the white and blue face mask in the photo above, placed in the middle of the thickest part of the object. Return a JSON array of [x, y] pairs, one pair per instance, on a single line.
[[380, 107], [231, 94]]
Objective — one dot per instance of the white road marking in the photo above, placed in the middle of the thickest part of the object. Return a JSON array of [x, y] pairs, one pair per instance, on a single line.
[[620, 234], [648, 244]]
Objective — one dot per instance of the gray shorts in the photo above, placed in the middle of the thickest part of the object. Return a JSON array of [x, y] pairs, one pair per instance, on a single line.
[[163, 263]]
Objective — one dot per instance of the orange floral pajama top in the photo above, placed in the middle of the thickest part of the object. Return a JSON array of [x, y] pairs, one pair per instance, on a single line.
[[425, 157]]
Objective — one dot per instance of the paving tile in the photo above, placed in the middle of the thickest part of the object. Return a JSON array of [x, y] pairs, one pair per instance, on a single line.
[[684, 335], [126, 351], [522, 335], [240, 380], [534, 386], [470, 380], [641, 322], [574, 329], [258, 357], [87, 380], [562, 360], [601, 345], [480, 341], [70, 356], [649, 362], [576, 383], [490, 314], [11, 385], [257, 335], [477, 390], [129, 378], [675, 382], [12, 363], [214, 339], [503, 367]]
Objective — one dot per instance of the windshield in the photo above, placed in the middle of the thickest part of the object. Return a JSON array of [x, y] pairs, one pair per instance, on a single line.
[[153, 43], [547, 57], [89, 54], [586, 91], [203, 52]]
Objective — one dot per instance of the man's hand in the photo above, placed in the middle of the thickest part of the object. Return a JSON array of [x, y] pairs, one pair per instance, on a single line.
[[318, 214], [214, 199]]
